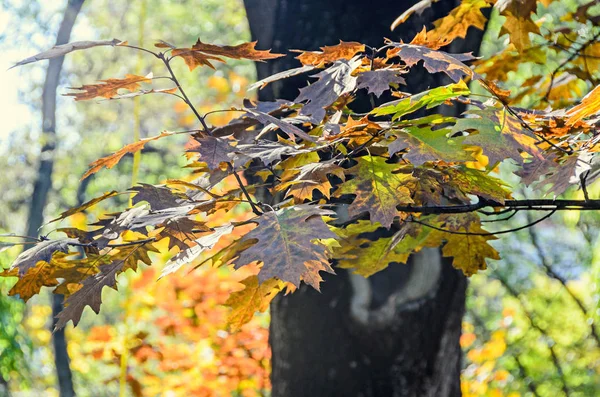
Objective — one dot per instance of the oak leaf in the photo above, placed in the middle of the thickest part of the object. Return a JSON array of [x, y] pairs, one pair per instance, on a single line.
[[329, 54], [254, 297], [425, 144], [213, 151], [200, 245], [41, 252], [113, 159], [378, 81], [310, 177], [377, 188], [202, 53], [109, 88], [333, 82], [283, 242], [434, 61]]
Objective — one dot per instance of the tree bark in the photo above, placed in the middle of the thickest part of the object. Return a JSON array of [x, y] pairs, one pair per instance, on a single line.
[[43, 184], [396, 333]]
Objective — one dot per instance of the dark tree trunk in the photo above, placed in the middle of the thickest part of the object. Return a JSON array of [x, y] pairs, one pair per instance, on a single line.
[[43, 184], [396, 333]]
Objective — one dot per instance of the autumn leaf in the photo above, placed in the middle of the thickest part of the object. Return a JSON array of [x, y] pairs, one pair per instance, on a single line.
[[213, 151], [589, 106], [283, 242], [41, 252], [377, 188], [565, 173], [85, 206], [434, 61], [159, 197], [200, 245], [330, 54], [255, 297], [286, 127], [457, 23], [61, 50], [90, 293], [500, 135], [428, 99], [518, 22], [109, 88], [278, 76], [202, 53], [469, 251], [333, 82], [266, 151], [30, 283], [378, 81], [368, 257], [310, 177], [425, 144], [113, 159]]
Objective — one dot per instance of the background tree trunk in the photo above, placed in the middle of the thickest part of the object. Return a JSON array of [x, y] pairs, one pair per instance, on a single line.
[[43, 184], [396, 333]]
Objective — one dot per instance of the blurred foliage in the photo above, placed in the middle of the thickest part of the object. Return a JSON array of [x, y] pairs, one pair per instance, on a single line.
[[531, 323]]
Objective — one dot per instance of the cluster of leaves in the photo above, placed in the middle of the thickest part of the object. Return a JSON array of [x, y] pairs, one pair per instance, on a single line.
[[321, 169]]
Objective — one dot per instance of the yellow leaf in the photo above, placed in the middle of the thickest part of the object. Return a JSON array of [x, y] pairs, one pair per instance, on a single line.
[[254, 297]]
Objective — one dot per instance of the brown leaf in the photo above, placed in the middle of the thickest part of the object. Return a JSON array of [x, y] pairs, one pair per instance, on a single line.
[[310, 177], [288, 128], [85, 205], [200, 245], [333, 82], [213, 151], [109, 88], [60, 50], [202, 53], [434, 61], [329, 54], [377, 188], [159, 197], [283, 243], [42, 251], [281, 75], [378, 81]]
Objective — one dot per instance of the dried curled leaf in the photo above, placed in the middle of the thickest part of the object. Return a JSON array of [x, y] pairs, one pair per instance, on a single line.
[[113, 159], [329, 54], [202, 53], [60, 50], [109, 88]]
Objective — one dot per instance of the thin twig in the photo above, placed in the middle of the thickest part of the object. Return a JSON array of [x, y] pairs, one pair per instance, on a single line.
[[484, 234]]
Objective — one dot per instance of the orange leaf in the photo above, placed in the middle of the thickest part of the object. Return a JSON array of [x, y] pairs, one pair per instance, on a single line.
[[330, 54], [202, 53], [109, 88], [589, 105], [113, 159]]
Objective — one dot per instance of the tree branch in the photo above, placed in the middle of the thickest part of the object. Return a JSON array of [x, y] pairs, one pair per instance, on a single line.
[[518, 205]]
